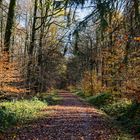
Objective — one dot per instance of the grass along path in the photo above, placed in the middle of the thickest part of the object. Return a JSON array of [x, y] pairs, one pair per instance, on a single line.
[[71, 119]]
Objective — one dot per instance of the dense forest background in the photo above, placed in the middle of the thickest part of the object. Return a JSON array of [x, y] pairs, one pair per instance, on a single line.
[[46, 44]]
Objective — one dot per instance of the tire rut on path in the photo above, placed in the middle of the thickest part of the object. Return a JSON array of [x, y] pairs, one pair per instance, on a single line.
[[72, 119]]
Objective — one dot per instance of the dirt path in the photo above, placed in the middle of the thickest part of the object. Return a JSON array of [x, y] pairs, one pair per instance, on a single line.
[[70, 120]]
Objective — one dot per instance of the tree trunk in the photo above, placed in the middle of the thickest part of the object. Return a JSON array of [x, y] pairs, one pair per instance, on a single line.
[[8, 30], [32, 45], [1, 22], [136, 7]]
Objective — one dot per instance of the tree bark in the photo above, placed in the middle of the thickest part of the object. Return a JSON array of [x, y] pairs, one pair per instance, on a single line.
[[9, 26], [1, 22], [32, 45]]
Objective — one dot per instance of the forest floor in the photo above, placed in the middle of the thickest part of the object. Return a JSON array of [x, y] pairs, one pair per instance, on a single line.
[[71, 119]]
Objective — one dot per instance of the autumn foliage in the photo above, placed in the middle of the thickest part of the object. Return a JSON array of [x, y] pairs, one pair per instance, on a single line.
[[91, 84]]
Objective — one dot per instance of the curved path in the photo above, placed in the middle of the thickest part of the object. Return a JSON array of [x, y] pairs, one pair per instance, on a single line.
[[72, 119]]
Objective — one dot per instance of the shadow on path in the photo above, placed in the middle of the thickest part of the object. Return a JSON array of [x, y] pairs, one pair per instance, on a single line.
[[70, 120]]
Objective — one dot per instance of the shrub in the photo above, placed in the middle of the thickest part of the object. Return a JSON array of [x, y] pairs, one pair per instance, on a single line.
[[80, 93], [91, 85], [117, 109], [7, 118], [100, 99], [50, 98]]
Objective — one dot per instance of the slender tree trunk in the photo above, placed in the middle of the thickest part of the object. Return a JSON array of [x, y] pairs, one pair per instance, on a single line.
[[136, 7], [9, 25], [41, 35], [1, 23], [32, 44], [40, 86]]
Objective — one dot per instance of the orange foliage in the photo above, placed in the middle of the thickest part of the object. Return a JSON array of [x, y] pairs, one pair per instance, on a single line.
[[10, 77]]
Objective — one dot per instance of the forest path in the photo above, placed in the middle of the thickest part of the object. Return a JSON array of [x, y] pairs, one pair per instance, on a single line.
[[72, 119]]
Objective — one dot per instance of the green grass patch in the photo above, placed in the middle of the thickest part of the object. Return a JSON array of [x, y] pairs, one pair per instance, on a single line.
[[12, 113], [23, 111]]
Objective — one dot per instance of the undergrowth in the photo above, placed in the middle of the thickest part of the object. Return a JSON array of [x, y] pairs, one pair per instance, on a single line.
[[51, 98], [22, 111], [123, 110], [12, 113]]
